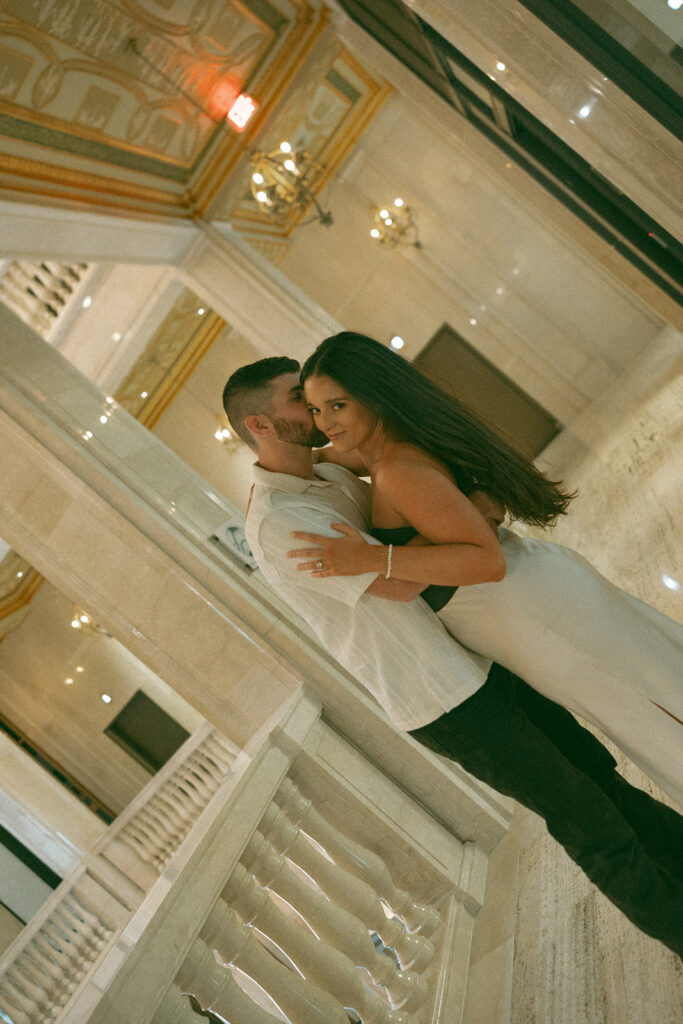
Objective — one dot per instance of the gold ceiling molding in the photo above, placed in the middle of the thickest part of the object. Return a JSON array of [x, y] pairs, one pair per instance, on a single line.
[[174, 351], [63, 102], [55, 182]]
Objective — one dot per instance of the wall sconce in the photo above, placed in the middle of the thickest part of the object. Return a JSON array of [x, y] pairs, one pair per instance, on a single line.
[[226, 437], [395, 224], [80, 620]]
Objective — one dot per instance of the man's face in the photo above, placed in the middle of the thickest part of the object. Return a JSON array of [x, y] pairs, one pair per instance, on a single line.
[[290, 416]]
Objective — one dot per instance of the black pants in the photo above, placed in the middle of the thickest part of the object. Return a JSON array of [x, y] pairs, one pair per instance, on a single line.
[[528, 747]]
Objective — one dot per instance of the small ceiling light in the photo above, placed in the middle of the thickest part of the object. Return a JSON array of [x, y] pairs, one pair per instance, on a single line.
[[116, 336], [106, 698], [103, 419], [500, 66], [675, 4], [388, 221], [88, 435], [201, 311], [79, 668], [109, 400], [68, 681], [75, 624], [384, 214], [262, 196], [257, 178], [143, 394], [473, 321], [83, 618], [499, 290], [398, 202], [286, 147], [585, 110], [291, 166], [667, 580], [375, 233], [20, 575], [87, 301], [397, 342]]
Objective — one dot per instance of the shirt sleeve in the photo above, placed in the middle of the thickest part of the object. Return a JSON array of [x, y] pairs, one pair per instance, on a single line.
[[275, 540]]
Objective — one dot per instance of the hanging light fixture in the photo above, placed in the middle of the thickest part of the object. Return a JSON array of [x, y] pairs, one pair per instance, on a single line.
[[226, 437], [284, 180], [395, 224]]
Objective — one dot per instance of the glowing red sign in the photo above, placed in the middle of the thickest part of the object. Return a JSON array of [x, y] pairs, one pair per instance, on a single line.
[[241, 111]]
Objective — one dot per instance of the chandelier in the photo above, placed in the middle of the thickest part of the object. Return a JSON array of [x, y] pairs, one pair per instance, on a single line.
[[394, 224], [284, 180]]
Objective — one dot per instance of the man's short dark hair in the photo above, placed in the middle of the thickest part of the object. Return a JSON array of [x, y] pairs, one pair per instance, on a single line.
[[248, 391]]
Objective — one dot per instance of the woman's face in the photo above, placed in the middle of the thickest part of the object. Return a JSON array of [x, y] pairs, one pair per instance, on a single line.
[[346, 422]]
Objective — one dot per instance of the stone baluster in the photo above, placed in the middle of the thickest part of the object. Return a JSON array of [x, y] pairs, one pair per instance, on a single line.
[[14, 294], [16, 1002], [144, 842], [298, 999], [315, 959], [158, 827], [45, 973], [35, 1000], [346, 890], [356, 859], [218, 749], [329, 922], [215, 989]]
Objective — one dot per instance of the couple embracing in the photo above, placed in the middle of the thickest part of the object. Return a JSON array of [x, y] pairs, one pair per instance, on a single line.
[[533, 629]]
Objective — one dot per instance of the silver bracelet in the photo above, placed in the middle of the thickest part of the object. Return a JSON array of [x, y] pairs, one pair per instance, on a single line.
[[387, 574]]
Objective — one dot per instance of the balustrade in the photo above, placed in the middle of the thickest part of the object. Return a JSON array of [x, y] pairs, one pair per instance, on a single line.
[[40, 293], [268, 913], [44, 967], [356, 859], [157, 828], [344, 889]]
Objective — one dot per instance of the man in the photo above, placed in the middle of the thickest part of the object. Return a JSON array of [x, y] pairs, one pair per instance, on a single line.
[[449, 699]]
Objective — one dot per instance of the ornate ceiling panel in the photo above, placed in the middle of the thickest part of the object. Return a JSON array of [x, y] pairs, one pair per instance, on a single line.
[[85, 114]]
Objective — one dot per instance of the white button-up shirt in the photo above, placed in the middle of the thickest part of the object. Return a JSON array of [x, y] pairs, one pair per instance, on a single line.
[[399, 651]]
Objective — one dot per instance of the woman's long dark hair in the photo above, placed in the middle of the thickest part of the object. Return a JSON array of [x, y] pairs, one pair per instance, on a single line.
[[413, 409]]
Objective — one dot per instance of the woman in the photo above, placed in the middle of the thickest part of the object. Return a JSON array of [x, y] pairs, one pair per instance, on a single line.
[[538, 608]]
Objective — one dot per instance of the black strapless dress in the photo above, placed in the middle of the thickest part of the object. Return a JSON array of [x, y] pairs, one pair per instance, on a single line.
[[435, 596]]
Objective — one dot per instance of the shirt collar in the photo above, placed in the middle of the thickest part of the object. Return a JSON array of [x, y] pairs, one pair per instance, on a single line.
[[287, 482]]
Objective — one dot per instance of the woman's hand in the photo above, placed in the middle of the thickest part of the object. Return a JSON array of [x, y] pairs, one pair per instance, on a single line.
[[350, 555]]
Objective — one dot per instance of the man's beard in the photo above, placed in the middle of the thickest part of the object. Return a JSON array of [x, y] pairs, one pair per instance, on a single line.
[[300, 433]]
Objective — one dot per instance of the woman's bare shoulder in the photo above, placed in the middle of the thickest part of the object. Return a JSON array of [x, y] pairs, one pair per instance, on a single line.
[[405, 460]]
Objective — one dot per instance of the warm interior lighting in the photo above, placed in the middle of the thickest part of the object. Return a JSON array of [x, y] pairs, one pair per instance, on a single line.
[[396, 226], [397, 342]]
